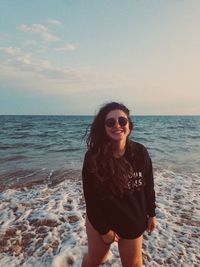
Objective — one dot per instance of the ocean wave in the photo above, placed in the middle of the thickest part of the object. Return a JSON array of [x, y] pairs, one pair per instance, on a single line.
[[66, 149], [27, 178], [12, 158]]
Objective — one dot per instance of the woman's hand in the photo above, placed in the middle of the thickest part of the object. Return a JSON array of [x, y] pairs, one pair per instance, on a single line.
[[109, 237], [151, 224]]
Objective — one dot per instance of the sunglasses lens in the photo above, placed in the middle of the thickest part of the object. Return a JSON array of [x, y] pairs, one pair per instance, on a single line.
[[122, 121], [110, 122]]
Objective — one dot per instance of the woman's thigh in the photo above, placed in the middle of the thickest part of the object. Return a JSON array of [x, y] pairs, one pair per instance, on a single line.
[[97, 249], [130, 251]]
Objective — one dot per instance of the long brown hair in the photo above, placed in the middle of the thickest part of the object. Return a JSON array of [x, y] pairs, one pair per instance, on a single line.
[[109, 171]]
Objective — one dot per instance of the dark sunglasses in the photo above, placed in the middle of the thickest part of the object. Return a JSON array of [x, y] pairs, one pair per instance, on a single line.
[[111, 122]]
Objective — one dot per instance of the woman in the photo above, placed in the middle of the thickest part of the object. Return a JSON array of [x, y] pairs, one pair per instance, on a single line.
[[118, 188]]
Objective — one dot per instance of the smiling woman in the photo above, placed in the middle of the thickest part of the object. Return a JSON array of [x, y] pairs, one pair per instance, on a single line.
[[118, 188]]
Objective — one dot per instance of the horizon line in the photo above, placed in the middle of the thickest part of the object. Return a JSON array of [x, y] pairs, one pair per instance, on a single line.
[[95, 115]]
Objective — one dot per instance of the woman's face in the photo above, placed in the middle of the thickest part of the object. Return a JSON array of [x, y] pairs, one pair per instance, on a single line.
[[117, 125]]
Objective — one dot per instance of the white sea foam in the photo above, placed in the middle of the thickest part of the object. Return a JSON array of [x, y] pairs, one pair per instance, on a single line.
[[44, 226]]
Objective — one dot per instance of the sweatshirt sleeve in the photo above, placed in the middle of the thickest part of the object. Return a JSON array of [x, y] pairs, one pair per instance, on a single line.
[[149, 187], [92, 197]]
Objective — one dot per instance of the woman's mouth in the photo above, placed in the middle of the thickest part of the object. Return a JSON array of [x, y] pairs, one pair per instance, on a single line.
[[117, 132]]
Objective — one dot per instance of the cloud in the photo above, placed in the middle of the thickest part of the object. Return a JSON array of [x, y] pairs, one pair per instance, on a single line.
[[16, 58], [12, 51], [54, 22], [40, 29], [66, 48], [33, 28], [28, 72], [19, 62]]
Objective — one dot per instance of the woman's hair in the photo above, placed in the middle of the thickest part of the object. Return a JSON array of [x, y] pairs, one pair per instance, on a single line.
[[106, 166]]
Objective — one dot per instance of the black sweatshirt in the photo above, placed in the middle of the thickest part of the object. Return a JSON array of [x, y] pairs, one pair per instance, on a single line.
[[126, 215]]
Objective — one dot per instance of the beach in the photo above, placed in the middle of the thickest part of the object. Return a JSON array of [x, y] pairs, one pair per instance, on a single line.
[[42, 219]]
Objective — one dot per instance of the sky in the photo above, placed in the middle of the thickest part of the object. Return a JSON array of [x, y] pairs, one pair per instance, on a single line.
[[67, 57]]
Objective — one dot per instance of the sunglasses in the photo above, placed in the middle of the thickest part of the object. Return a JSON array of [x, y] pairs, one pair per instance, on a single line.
[[111, 122]]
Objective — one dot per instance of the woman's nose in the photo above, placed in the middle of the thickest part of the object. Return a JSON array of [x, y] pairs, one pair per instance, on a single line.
[[117, 125]]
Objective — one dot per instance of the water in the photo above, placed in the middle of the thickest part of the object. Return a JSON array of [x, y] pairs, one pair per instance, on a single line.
[[173, 141], [40, 148], [41, 202], [47, 148]]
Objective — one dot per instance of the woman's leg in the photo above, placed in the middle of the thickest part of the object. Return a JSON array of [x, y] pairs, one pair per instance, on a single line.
[[130, 251], [97, 249]]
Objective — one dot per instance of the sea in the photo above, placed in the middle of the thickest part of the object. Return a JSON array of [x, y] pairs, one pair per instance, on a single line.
[[42, 208]]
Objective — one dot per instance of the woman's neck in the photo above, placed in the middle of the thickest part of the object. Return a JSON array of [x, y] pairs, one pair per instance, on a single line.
[[119, 148]]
